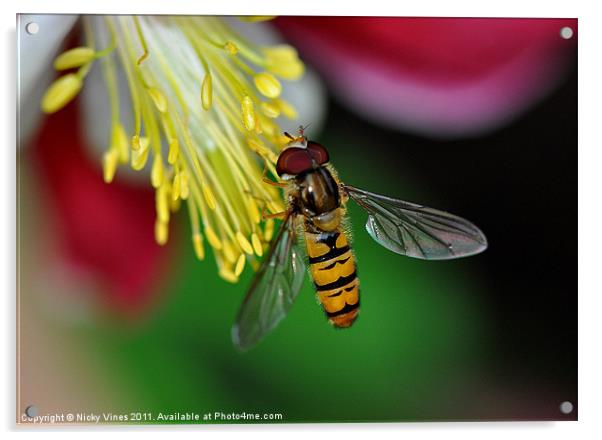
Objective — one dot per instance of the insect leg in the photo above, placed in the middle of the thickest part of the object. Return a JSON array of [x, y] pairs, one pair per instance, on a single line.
[[280, 215], [271, 182]]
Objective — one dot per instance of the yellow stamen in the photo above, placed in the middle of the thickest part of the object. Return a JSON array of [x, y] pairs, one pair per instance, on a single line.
[[212, 238], [184, 185], [283, 61], [135, 142], [207, 92], [161, 232], [199, 249], [228, 275], [258, 129], [157, 172], [209, 198], [217, 151], [269, 229], [174, 151], [240, 265], [75, 57], [248, 113], [119, 141], [140, 154], [267, 85], [109, 164], [231, 48], [286, 109], [256, 18], [275, 206], [162, 202], [174, 204], [244, 243], [142, 41], [61, 92], [175, 190], [270, 110], [262, 150], [256, 245], [229, 251], [158, 99], [254, 212]]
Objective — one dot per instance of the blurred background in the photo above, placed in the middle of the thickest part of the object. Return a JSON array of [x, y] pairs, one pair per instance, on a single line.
[[476, 117]]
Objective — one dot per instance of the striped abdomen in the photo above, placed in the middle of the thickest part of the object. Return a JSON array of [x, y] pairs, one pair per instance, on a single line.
[[332, 266]]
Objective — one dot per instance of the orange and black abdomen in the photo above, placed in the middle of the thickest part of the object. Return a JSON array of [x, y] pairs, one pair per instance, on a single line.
[[333, 269]]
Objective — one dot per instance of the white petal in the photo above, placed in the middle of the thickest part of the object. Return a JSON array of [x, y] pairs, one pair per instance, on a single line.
[[35, 71], [97, 112], [307, 95]]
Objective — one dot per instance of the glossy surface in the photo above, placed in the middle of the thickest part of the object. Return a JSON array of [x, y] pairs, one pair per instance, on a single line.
[[318, 192]]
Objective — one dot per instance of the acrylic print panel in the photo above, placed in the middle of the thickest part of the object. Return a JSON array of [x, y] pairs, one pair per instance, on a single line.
[[188, 254]]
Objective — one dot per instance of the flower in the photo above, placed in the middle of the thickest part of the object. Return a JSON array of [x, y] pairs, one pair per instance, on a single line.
[[204, 101], [440, 77]]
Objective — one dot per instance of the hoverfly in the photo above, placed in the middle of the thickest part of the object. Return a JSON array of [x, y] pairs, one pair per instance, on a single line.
[[316, 205]]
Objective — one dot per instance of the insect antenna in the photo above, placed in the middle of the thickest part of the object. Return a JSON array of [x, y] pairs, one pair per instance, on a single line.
[[302, 129]]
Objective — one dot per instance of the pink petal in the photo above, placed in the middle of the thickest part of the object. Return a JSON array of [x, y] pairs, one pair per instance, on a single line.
[[104, 230], [436, 76]]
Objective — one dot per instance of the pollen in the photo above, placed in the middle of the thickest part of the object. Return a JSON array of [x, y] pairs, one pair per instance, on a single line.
[[267, 85], [140, 154], [269, 229], [61, 92], [174, 150], [210, 155], [244, 243], [161, 232], [162, 203], [254, 212], [284, 62], [270, 110], [240, 265], [184, 185], [158, 99], [157, 172], [231, 48], [135, 142], [175, 189], [75, 57], [199, 249], [229, 252], [248, 113], [228, 275], [119, 141], [287, 109], [207, 92], [212, 238], [109, 165], [209, 198], [256, 244]]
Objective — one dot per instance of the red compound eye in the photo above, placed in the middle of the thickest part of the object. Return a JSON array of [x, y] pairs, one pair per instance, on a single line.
[[294, 161], [318, 152]]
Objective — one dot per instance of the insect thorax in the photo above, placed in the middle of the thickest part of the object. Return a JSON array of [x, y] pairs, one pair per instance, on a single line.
[[318, 198]]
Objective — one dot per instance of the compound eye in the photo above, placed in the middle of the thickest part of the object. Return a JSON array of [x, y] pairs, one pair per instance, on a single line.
[[293, 161], [318, 152]]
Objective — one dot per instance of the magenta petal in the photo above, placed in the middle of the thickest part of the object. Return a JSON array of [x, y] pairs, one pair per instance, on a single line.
[[102, 230], [439, 77]]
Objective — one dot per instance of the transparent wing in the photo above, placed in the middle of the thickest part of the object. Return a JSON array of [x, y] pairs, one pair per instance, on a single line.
[[417, 231], [273, 291]]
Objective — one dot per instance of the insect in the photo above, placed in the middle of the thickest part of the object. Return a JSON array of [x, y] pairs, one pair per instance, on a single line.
[[316, 205]]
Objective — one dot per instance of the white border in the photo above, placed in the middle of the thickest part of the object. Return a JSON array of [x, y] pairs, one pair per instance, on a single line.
[[590, 147]]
